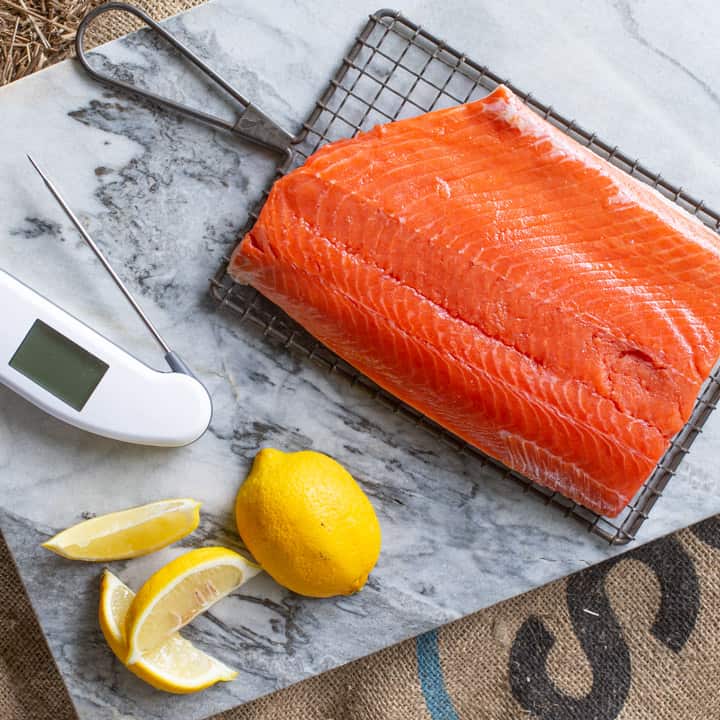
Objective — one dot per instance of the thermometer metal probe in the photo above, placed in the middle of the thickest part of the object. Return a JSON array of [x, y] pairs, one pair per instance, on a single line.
[[100, 255], [175, 363]]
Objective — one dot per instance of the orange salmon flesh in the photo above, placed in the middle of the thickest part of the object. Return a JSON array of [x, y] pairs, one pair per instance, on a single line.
[[505, 281]]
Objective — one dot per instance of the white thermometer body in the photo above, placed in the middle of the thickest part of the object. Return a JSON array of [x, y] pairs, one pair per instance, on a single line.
[[72, 372]]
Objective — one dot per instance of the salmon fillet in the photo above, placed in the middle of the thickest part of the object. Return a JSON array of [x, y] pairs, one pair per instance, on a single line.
[[505, 281]]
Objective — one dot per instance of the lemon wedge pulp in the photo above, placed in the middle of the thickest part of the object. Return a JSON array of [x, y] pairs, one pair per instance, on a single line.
[[179, 592], [128, 533], [177, 666]]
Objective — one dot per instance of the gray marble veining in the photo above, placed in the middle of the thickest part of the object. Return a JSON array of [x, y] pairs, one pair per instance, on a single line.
[[165, 197]]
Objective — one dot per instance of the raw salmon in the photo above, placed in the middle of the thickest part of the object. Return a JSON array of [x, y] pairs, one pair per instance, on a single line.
[[507, 282]]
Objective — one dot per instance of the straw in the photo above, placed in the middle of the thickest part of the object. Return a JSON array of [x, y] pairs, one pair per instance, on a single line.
[[38, 33]]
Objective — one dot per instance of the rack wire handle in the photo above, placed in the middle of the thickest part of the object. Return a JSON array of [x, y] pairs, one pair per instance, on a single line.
[[252, 124]]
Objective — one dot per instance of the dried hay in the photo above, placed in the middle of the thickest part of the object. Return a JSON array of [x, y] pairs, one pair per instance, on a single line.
[[38, 33]]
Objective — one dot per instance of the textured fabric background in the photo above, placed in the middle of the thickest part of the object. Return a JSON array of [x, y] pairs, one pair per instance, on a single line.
[[632, 639]]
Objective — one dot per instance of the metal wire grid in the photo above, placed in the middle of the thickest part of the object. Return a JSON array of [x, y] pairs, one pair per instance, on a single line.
[[396, 69]]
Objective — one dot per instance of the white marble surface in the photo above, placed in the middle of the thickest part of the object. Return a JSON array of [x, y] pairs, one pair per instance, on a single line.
[[165, 198]]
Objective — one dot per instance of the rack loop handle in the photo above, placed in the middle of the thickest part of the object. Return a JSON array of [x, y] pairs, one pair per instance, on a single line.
[[252, 124]]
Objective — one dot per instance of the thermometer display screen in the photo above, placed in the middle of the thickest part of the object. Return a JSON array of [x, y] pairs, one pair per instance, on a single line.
[[58, 365]]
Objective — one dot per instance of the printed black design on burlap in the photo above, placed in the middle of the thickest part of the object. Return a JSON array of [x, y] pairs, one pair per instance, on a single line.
[[601, 637], [708, 531]]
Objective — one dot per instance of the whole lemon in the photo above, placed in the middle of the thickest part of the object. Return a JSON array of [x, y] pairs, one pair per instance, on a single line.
[[308, 523]]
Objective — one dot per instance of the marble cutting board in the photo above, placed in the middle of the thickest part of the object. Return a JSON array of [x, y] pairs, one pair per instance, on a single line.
[[165, 198]]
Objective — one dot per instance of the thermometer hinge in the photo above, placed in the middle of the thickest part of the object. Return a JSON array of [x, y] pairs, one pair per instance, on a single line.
[[178, 365]]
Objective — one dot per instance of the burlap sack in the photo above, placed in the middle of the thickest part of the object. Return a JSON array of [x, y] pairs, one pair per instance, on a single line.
[[634, 638]]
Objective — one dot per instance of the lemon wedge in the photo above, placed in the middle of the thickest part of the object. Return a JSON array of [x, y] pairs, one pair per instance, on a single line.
[[177, 666], [179, 592], [128, 533]]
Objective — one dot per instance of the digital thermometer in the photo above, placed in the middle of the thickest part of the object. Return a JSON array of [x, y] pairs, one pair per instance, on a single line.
[[72, 372]]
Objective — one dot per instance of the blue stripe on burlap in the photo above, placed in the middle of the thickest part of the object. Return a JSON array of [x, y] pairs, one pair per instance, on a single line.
[[437, 700]]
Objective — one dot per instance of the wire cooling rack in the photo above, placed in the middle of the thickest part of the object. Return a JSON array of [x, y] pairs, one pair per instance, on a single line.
[[396, 69]]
